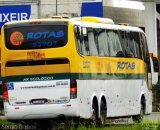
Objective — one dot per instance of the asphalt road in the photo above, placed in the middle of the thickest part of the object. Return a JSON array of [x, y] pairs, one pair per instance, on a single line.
[[154, 116]]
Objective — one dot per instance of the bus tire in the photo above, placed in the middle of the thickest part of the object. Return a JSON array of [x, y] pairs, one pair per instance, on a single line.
[[103, 114], [139, 118], [94, 118]]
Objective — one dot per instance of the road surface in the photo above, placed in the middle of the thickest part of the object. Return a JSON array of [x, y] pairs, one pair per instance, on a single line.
[[155, 116]]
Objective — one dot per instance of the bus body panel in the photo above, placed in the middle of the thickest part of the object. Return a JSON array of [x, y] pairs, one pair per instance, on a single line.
[[117, 104], [41, 111], [120, 97], [39, 92]]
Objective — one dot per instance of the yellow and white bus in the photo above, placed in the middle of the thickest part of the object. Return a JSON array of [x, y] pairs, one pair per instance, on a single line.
[[75, 68]]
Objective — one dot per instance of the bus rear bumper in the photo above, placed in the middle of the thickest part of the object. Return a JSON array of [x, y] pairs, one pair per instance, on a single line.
[[40, 111]]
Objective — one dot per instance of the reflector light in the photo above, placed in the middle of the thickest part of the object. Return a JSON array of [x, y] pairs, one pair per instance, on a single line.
[[5, 91], [73, 89], [16, 108]]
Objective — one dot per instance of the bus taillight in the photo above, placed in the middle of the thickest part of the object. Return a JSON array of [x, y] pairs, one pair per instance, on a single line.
[[73, 89], [5, 91]]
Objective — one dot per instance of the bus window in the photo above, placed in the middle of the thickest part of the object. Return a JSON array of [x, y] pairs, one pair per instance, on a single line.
[[81, 41], [85, 42], [92, 43], [135, 44], [95, 32], [78, 39], [130, 43], [121, 35], [146, 59], [46, 36], [125, 42], [128, 51], [146, 53], [103, 43], [114, 43]]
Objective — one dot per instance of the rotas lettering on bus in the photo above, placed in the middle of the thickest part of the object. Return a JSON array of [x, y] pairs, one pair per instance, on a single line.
[[45, 39], [45, 35], [126, 65]]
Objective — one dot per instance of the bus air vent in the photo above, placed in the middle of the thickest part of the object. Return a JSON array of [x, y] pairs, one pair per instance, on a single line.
[[37, 62]]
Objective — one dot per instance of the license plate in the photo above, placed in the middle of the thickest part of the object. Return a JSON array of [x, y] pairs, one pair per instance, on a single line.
[[38, 101]]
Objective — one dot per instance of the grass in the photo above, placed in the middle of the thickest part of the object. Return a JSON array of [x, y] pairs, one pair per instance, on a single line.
[[144, 125], [150, 125], [5, 125], [122, 127]]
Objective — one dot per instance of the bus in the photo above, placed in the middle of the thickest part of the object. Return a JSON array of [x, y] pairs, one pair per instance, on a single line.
[[80, 68]]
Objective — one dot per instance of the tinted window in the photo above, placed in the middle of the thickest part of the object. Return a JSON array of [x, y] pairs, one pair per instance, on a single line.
[[146, 53], [36, 37], [130, 42], [82, 41], [135, 44], [115, 47], [107, 42], [103, 43], [92, 40]]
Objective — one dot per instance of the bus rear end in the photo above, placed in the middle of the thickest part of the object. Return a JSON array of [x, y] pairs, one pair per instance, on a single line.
[[36, 71]]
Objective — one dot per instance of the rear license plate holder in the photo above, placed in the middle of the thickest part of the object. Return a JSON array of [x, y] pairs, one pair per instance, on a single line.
[[38, 101]]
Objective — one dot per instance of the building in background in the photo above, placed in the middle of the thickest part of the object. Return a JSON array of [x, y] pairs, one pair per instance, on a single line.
[[124, 12], [48, 8], [14, 13], [60, 7], [92, 8]]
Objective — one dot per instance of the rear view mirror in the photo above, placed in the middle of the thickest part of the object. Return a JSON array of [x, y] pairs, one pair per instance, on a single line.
[[84, 31], [155, 62], [77, 29]]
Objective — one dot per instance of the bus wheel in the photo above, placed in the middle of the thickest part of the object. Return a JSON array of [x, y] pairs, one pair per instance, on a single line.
[[139, 118], [94, 118], [103, 114]]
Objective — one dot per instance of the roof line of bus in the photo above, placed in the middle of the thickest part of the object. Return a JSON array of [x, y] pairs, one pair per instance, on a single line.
[[83, 23], [107, 26]]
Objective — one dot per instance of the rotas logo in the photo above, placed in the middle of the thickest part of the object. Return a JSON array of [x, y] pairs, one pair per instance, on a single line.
[[16, 38]]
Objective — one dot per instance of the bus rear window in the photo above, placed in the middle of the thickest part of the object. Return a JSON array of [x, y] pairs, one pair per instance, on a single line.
[[36, 37]]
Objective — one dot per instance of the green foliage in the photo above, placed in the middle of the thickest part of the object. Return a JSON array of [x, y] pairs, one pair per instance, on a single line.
[[143, 125], [156, 85], [150, 125], [156, 97], [6, 125], [115, 127]]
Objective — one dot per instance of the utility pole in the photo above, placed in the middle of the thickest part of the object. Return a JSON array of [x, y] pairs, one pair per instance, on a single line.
[[56, 8], [39, 8]]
